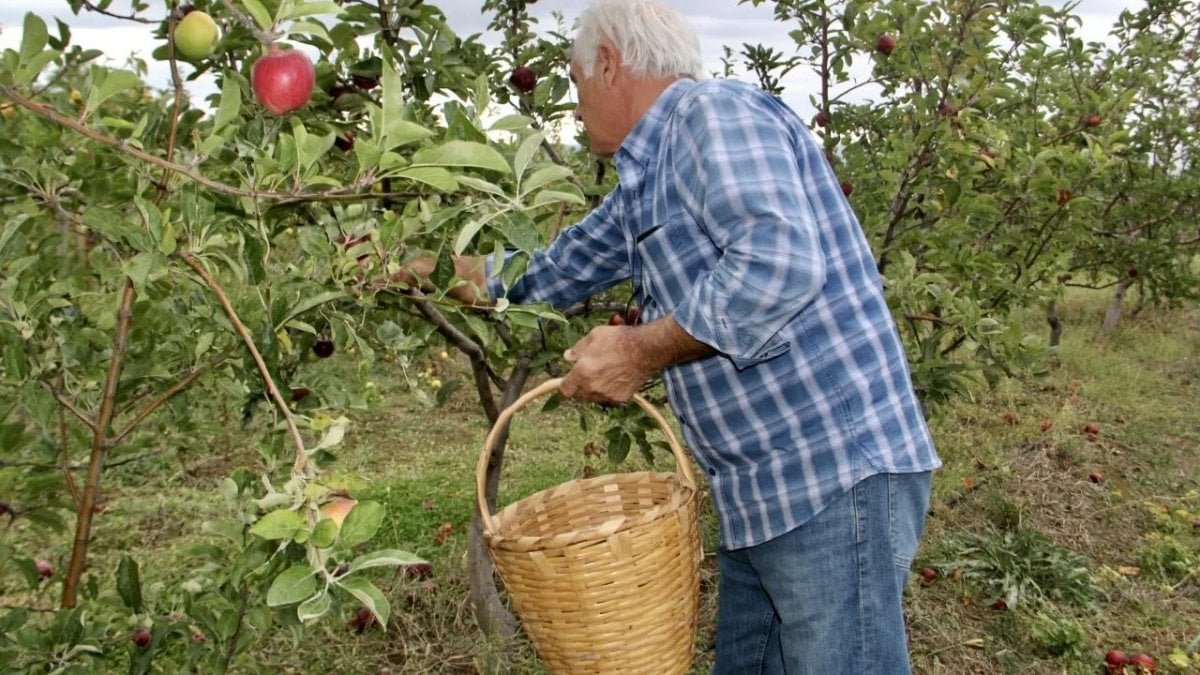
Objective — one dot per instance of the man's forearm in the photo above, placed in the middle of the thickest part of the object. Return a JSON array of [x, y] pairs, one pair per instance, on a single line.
[[663, 343]]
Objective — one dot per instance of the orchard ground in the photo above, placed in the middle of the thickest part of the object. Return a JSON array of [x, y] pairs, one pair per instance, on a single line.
[[1092, 538]]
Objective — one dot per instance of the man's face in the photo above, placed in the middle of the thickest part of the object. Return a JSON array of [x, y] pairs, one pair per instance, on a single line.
[[598, 106]]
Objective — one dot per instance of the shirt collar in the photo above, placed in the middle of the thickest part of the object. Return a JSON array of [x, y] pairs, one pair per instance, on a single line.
[[643, 140]]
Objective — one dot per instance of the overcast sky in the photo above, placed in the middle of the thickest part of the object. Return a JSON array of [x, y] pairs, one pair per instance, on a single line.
[[719, 23]]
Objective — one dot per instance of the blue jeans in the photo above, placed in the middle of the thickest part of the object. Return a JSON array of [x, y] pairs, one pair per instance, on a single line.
[[827, 597]]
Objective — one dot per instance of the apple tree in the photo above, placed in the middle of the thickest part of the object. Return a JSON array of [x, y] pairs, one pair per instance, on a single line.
[[159, 254]]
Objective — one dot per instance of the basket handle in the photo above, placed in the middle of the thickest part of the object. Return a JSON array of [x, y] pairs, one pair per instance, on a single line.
[[682, 466]]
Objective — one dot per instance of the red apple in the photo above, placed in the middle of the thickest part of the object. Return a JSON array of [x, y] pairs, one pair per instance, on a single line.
[[928, 574], [1000, 605], [337, 508], [362, 620], [616, 320], [198, 637], [524, 79], [345, 142], [1132, 273], [1046, 425], [1091, 429], [1096, 477], [1064, 196], [141, 637], [323, 348], [885, 44], [1093, 120], [300, 393], [1142, 663], [44, 568], [1114, 661], [947, 109], [822, 119], [420, 570], [364, 82], [847, 187], [282, 80], [633, 316]]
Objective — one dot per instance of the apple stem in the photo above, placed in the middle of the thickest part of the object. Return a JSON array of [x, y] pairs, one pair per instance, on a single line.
[[302, 467]]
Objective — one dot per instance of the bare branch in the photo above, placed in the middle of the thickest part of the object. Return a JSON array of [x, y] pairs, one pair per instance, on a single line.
[[66, 403], [179, 386]]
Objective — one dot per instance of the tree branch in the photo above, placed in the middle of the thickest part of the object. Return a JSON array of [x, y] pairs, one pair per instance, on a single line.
[[66, 403], [302, 465], [348, 192], [179, 386]]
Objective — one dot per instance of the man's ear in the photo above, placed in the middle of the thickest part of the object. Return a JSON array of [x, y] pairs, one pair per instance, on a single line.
[[608, 61]]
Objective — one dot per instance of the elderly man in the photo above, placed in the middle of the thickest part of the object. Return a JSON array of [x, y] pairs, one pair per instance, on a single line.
[[764, 312]]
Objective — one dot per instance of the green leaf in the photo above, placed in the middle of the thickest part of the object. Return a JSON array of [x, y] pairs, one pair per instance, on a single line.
[[370, 597], [511, 123], [231, 103], [115, 82], [324, 534], [315, 607], [312, 8], [483, 186], [309, 28], [545, 176], [482, 96], [462, 153], [525, 153], [139, 268], [467, 234], [554, 196], [260, 14], [311, 303], [293, 585], [385, 558], [438, 178], [129, 584], [398, 132], [361, 523], [281, 524], [34, 37]]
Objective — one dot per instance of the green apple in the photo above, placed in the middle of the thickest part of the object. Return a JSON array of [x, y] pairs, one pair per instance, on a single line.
[[196, 36]]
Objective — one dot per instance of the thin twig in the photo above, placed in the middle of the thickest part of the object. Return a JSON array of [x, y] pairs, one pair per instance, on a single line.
[[302, 466], [64, 454], [66, 403], [93, 8], [179, 386]]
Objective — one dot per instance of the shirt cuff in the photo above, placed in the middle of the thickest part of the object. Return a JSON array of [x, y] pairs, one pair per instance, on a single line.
[[744, 345]]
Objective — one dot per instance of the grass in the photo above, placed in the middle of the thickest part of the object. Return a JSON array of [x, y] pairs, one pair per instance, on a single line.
[[1083, 566]]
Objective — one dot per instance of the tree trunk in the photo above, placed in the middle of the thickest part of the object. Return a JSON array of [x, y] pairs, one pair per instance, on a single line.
[[1113, 316], [493, 617], [1055, 321]]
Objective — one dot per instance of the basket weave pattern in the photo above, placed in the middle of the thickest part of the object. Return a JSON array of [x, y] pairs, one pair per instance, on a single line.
[[603, 572]]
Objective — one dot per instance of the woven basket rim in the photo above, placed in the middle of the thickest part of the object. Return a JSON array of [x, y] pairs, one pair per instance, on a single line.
[[594, 532]]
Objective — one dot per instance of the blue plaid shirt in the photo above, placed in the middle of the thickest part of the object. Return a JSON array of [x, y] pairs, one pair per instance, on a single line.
[[728, 217]]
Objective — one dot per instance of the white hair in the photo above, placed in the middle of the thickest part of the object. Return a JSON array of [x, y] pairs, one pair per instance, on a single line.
[[653, 39]]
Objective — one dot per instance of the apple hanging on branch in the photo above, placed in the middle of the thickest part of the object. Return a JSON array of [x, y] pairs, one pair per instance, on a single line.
[[282, 80], [196, 36]]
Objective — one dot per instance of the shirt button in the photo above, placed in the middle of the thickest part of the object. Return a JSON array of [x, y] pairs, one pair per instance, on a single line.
[[712, 472]]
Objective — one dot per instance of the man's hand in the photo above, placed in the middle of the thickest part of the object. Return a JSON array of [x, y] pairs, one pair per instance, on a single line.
[[613, 362], [605, 368], [416, 273]]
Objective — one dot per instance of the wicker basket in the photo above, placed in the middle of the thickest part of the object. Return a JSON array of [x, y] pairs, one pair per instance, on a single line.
[[602, 572]]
